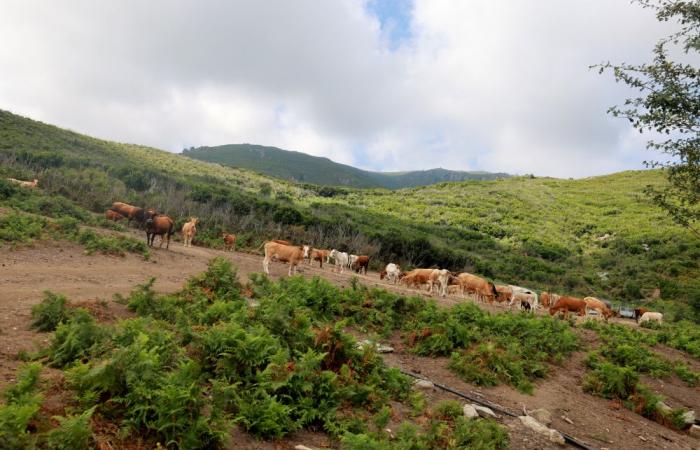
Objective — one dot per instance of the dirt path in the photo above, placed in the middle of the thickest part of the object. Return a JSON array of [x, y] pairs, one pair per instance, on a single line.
[[63, 267]]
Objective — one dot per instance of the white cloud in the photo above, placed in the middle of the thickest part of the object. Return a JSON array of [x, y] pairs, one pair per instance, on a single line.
[[501, 86]]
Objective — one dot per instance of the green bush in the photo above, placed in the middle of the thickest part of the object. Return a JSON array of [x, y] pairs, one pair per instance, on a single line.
[[73, 432], [75, 338], [20, 228], [22, 402], [50, 312], [611, 381], [448, 409]]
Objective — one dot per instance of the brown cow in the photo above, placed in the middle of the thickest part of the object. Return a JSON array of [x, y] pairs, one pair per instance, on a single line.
[[639, 312], [113, 215], [505, 293], [132, 212], [189, 230], [229, 241], [26, 184], [281, 241], [417, 277], [320, 255], [483, 289], [567, 304], [360, 265], [598, 305], [161, 225], [284, 253]]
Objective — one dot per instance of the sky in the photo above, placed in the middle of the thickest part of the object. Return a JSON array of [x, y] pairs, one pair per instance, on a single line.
[[496, 85]]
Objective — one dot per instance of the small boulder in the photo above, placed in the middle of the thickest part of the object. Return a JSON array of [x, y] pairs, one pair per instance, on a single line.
[[424, 384], [689, 418], [484, 411], [470, 412], [302, 447], [384, 348], [694, 431], [663, 408], [542, 415], [534, 425]]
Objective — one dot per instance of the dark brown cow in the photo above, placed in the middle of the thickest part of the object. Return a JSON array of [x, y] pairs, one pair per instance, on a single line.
[[113, 215], [361, 264], [568, 304], [229, 241], [161, 225]]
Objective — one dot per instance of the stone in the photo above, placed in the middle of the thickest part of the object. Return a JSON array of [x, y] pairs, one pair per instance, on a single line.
[[302, 447], [689, 417], [384, 348], [485, 411], [663, 408], [542, 415], [469, 411], [424, 384], [694, 431], [534, 425]]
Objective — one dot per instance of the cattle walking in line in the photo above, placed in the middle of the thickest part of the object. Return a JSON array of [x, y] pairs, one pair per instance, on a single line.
[[391, 272], [113, 215], [188, 231], [361, 264], [26, 184], [482, 289], [294, 255], [651, 316], [319, 255], [417, 278], [229, 241], [522, 295], [598, 305], [132, 212], [160, 225], [568, 304], [340, 258]]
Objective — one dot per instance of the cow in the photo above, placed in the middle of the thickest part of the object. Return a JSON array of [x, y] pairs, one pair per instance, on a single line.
[[319, 255], [360, 265], [161, 225], [482, 289], [651, 316], [113, 215], [523, 295], [351, 260], [229, 241], [568, 304], [26, 184], [598, 305], [505, 293], [284, 253], [340, 258], [391, 272], [639, 312], [281, 241], [417, 277], [548, 299], [189, 230], [439, 278], [132, 212]]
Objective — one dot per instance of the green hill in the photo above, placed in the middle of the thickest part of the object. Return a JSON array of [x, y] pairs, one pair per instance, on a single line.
[[596, 236], [303, 168]]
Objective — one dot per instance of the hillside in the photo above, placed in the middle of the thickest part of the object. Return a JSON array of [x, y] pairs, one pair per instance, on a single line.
[[303, 168], [596, 236]]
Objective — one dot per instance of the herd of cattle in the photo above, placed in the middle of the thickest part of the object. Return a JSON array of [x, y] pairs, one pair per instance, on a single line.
[[441, 281]]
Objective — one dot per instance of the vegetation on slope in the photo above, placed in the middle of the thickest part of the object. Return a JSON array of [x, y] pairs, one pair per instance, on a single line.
[[596, 236], [303, 168]]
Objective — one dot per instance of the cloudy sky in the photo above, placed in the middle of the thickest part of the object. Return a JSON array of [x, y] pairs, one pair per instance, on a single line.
[[380, 84]]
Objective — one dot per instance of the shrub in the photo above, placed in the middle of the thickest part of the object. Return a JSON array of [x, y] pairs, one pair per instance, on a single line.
[[50, 312], [73, 432], [74, 339], [611, 381], [448, 409], [263, 415], [22, 402], [20, 228], [479, 434]]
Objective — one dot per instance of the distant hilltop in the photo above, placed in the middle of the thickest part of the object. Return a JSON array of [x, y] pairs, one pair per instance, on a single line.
[[303, 168]]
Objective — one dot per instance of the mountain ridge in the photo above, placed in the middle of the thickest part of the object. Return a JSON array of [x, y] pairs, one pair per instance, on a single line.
[[302, 168]]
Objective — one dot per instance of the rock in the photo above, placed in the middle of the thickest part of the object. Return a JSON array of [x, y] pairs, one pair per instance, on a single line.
[[470, 412], [542, 415], [694, 431], [534, 425], [689, 417], [379, 347], [384, 348], [424, 384], [663, 408], [484, 411], [302, 447]]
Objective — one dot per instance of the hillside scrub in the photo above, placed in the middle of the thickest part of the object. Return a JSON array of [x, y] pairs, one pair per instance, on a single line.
[[542, 233]]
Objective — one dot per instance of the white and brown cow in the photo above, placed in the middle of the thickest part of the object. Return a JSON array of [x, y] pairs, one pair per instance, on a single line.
[[284, 253]]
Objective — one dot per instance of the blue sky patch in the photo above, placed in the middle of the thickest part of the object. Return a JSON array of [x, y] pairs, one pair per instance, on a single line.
[[395, 19]]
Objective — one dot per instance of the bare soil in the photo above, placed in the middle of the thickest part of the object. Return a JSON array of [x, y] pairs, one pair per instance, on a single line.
[[91, 281]]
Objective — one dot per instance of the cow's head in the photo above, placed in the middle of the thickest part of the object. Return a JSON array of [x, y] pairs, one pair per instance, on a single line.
[[306, 249]]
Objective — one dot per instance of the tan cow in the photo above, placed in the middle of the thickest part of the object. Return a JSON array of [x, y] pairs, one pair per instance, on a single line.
[[598, 305], [568, 304], [229, 241], [284, 253], [319, 255], [27, 184], [482, 289], [417, 277], [439, 278], [113, 215], [189, 230], [505, 293]]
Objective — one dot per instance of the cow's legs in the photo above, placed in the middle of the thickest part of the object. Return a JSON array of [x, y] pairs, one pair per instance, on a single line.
[[266, 265]]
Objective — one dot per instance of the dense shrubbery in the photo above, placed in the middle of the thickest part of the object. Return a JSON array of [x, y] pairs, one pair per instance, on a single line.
[[22, 403], [48, 314]]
